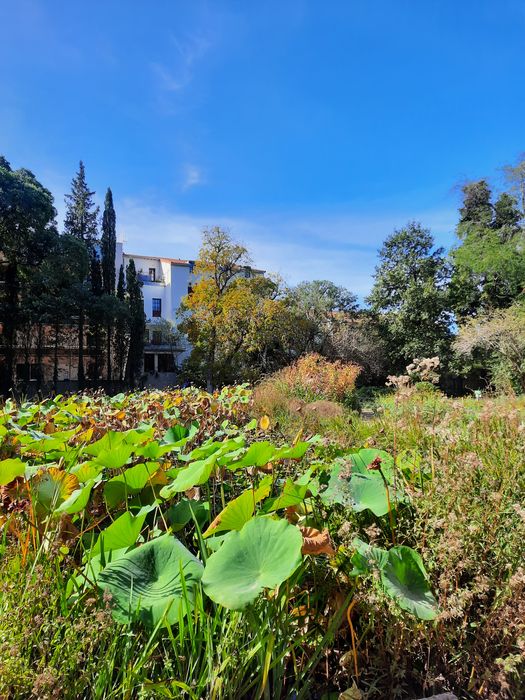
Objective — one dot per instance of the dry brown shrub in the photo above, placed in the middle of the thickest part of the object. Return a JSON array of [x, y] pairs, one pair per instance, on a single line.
[[315, 375], [323, 410]]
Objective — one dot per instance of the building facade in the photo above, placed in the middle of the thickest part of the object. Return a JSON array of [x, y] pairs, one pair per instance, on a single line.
[[165, 281]]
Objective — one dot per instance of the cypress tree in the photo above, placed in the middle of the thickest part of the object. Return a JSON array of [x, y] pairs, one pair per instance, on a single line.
[[108, 251], [120, 325], [108, 244], [136, 324]]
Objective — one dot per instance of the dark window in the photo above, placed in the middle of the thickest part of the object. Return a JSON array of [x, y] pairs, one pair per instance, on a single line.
[[149, 365], [152, 274], [157, 337], [190, 288], [156, 308], [166, 363]]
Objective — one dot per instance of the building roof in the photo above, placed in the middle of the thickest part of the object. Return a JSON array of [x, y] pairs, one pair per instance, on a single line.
[[175, 261]]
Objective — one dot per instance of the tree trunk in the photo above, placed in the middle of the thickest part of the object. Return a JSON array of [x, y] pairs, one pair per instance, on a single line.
[[55, 357], [81, 375], [10, 324], [108, 353]]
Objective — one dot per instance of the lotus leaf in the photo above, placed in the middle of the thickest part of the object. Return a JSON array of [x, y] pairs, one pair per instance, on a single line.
[[123, 532], [130, 482], [52, 487], [183, 512], [359, 491], [405, 580], [263, 554], [10, 469], [155, 582], [239, 511]]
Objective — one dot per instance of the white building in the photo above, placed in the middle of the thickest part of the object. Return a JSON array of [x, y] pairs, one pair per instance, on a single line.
[[165, 282]]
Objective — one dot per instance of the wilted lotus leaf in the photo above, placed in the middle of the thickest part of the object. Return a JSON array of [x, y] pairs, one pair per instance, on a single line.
[[264, 423], [316, 541], [52, 487], [154, 582]]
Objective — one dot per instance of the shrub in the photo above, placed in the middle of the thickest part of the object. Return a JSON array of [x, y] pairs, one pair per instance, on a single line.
[[313, 377]]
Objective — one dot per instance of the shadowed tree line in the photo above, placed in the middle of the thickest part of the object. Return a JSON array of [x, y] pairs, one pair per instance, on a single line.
[[62, 290], [59, 291]]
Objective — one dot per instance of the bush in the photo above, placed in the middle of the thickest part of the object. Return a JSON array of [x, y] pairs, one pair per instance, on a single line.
[[313, 377], [425, 388]]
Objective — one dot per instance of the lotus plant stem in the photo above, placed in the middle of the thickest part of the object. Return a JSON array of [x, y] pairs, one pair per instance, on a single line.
[[353, 635], [390, 513]]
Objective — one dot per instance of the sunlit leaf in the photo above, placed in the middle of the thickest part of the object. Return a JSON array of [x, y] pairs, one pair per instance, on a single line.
[[262, 555], [10, 469], [154, 582]]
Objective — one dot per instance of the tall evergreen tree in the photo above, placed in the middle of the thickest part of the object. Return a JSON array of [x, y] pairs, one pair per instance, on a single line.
[[81, 219], [81, 222], [96, 315], [108, 252], [136, 324], [121, 325], [108, 244]]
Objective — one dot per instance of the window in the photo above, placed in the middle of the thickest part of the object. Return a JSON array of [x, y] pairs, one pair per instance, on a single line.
[[156, 308], [146, 336], [157, 338], [190, 289], [152, 274]]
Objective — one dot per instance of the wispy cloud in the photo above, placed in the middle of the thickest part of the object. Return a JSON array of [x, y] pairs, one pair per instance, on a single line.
[[193, 176], [178, 73], [342, 247]]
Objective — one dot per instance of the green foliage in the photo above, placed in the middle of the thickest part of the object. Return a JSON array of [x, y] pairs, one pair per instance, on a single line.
[[410, 295], [402, 576], [154, 583], [262, 555]]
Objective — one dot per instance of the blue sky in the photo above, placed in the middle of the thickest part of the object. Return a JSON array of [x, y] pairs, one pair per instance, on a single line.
[[310, 129]]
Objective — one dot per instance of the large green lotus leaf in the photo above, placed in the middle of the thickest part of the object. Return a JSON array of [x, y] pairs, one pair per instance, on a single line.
[[198, 472], [359, 491], [86, 471], [405, 580], [130, 482], [257, 455], [140, 435], [296, 452], [114, 457], [362, 459], [262, 555], [10, 469], [154, 582], [194, 474], [123, 532], [369, 493], [179, 433], [239, 511], [154, 450], [293, 494], [78, 499], [42, 443], [185, 510], [111, 440]]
